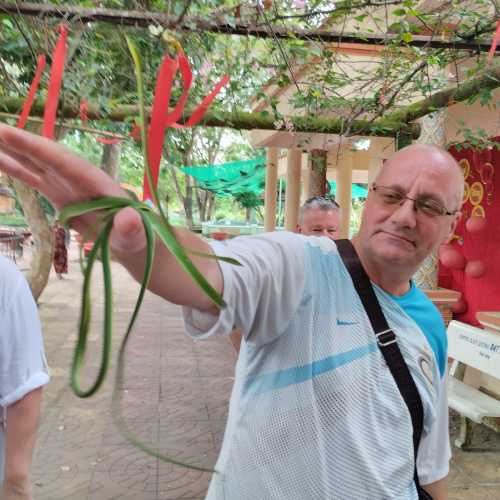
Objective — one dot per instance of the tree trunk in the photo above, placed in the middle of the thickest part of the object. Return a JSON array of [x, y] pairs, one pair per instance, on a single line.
[[41, 230], [187, 202], [317, 178], [204, 200], [43, 248], [211, 206], [110, 160]]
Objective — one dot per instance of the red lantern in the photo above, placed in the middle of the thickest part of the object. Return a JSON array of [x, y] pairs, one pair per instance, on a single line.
[[475, 269], [451, 258], [475, 224]]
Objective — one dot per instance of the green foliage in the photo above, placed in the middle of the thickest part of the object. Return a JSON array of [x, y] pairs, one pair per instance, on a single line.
[[477, 138], [16, 219]]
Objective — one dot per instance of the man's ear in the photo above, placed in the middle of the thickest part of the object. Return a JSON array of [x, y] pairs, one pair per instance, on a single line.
[[298, 229], [453, 226]]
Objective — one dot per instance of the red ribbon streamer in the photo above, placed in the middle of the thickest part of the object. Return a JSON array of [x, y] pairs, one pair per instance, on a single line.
[[187, 80], [56, 73], [108, 140], [157, 126], [200, 111], [496, 38], [161, 119], [135, 133], [23, 118], [84, 111]]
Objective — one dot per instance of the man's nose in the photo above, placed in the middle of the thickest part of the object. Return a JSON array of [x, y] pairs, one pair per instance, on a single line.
[[405, 214]]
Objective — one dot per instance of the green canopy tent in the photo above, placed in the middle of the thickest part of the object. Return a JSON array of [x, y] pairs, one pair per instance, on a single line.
[[231, 179], [242, 177], [358, 191]]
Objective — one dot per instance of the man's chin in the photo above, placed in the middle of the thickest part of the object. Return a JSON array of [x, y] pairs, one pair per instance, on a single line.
[[395, 251]]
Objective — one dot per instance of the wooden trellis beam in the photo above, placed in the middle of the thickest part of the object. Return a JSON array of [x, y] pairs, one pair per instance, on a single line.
[[144, 19]]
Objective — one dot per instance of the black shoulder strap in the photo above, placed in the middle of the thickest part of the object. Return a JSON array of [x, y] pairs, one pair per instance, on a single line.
[[387, 342]]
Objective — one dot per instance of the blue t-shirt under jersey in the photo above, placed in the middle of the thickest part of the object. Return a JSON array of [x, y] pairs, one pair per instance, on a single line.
[[416, 304]]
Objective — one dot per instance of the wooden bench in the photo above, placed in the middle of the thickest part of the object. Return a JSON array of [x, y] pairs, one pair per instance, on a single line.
[[479, 349]]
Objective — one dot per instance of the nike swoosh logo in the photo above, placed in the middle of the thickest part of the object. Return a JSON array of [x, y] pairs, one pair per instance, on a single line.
[[346, 323]]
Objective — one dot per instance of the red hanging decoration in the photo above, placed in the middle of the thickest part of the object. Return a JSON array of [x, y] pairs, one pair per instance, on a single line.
[[135, 133], [23, 118], [161, 119], [157, 126], [200, 111], [84, 110], [108, 140], [496, 38], [56, 73]]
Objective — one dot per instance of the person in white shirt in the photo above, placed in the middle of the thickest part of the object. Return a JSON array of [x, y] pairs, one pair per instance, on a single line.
[[315, 412], [23, 373]]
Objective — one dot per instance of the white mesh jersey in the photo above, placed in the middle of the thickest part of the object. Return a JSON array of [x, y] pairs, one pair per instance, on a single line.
[[315, 412]]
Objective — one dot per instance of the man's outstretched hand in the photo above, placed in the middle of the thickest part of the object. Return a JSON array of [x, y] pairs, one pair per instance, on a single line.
[[65, 178]]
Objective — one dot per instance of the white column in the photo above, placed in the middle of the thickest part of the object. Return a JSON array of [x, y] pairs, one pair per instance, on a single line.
[[344, 191], [292, 198]]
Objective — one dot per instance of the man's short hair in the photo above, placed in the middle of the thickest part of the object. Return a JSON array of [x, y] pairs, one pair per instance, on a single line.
[[320, 203]]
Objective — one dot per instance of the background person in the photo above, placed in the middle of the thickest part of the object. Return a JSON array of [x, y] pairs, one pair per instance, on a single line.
[[61, 243], [319, 216]]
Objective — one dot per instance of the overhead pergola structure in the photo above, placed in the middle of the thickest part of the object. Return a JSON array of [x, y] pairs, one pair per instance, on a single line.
[[303, 147]]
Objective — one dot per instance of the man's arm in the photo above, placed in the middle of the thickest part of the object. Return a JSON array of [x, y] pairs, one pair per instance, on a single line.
[[20, 436], [65, 178], [437, 490], [169, 280]]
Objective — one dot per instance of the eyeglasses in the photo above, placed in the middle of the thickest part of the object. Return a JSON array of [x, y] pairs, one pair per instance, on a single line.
[[321, 198], [422, 204]]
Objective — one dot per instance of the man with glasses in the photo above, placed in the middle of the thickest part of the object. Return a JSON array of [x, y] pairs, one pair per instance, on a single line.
[[319, 216], [315, 412]]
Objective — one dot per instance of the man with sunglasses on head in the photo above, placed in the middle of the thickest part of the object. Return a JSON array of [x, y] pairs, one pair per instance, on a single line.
[[319, 216], [315, 412]]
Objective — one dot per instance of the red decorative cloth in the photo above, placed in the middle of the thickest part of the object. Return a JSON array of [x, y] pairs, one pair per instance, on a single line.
[[481, 198]]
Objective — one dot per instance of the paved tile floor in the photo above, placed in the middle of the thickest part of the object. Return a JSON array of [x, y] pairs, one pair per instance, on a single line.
[[175, 400]]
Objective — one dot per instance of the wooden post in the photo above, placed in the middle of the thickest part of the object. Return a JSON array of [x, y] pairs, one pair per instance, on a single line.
[[292, 199], [306, 177], [344, 192], [270, 192]]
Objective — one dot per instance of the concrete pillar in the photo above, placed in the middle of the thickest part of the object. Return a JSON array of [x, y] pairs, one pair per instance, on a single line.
[[292, 198], [306, 177], [344, 191], [271, 187]]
